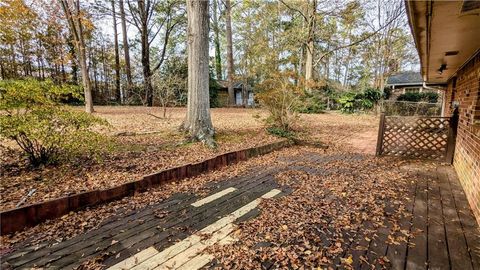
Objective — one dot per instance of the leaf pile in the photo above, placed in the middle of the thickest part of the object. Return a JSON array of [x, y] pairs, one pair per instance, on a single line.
[[75, 223], [333, 199], [134, 156]]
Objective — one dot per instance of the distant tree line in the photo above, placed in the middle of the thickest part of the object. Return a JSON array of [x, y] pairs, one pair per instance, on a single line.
[[129, 46]]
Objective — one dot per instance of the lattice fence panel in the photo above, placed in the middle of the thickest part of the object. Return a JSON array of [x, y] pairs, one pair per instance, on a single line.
[[415, 137]]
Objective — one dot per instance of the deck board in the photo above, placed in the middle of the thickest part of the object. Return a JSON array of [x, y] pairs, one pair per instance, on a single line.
[[417, 248], [438, 257]]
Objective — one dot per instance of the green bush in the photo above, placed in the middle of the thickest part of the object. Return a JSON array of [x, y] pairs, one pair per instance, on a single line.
[[280, 132], [366, 100], [372, 95], [387, 93], [311, 103], [25, 94], [430, 97], [213, 92], [47, 132], [347, 102]]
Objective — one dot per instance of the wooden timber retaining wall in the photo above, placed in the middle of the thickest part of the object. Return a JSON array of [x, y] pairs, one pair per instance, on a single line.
[[19, 218]]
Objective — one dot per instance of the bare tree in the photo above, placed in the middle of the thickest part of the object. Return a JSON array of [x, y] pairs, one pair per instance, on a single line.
[[198, 122], [73, 15], [143, 15], [230, 68], [126, 50], [117, 57], [310, 52]]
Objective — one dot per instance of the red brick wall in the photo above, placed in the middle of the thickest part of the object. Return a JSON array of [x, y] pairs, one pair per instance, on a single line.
[[465, 89]]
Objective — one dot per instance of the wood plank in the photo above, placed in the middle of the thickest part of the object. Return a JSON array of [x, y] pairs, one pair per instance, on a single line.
[[378, 247], [202, 215], [192, 243], [136, 259], [470, 226], [437, 245], [360, 245], [417, 247], [194, 250], [197, 262], [132, 229], [118, 222], [397, 253], [457, 246], [159, 239], [213, 197]]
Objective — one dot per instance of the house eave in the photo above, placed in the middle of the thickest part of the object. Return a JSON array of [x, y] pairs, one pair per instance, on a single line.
[[445, 35], [405, 84]]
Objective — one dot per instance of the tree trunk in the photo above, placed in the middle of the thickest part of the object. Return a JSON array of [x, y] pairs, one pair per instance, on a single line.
[[146, 67], [74, 67], [85, 78], [216, 40], [105, 72], [142, 25], [14, 63], [95, 72], [309, 61], [198, 122], [310, 52], [231, 94], [117, 57], [75, 24], [2, 71], [126, 51]]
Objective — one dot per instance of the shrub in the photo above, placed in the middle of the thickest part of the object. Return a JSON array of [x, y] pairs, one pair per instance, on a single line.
[[371, 94], [347, 102], [213, 92], [280, 132], [430, 97], [387, 93], [280, 96], [25, 94], [311, 103], [46, 131], [366, 100]]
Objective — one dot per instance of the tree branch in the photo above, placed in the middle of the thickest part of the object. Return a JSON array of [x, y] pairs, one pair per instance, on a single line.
[[294, 9], [358, 41]]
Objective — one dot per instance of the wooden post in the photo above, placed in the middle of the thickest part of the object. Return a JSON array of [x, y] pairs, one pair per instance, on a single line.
[[452, 137], [381, 130]]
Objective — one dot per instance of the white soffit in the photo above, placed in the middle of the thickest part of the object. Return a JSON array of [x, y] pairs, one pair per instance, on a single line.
[[446, 33]]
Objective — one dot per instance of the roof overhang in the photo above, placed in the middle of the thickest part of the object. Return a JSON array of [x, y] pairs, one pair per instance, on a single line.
[[446, 34], [405, 84]]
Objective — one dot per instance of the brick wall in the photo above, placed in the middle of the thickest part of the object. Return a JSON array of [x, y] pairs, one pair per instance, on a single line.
[[465, 89]]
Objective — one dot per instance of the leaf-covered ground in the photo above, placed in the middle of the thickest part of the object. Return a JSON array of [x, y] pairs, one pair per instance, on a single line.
[[335, 130], [337, 198], [147, 143]]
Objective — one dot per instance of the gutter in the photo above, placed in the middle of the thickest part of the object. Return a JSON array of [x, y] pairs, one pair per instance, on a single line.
[[410, 15]]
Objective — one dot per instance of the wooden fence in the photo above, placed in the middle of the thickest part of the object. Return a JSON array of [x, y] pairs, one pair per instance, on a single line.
[[417, 137]]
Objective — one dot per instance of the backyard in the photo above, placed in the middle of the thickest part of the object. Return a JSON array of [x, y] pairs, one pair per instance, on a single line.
[[333, 207], [222, 134], [145, 144]]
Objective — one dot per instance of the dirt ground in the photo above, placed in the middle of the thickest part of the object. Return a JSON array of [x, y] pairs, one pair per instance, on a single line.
[[147, 142]]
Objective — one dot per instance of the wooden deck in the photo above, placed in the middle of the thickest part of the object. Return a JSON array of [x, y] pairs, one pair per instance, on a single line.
[[441, 231]]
